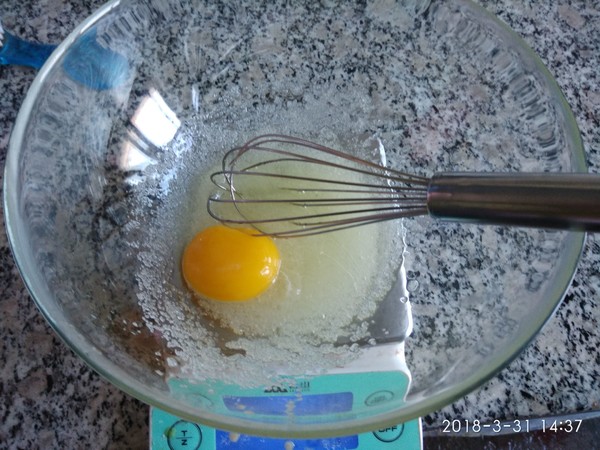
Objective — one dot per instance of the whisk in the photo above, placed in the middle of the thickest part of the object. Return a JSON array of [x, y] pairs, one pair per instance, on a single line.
[[285, 186]]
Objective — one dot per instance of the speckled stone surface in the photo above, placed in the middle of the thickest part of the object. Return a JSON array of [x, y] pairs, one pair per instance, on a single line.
[[560, 371], [50, 399]]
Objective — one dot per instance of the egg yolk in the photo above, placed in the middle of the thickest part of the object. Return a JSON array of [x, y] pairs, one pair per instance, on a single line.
[[230, 264]]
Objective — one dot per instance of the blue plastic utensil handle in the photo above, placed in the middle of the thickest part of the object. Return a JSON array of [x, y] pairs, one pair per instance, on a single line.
[[24, 53], [86, 61]]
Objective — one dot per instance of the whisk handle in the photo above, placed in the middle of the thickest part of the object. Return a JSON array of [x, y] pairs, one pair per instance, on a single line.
[[543, 200]]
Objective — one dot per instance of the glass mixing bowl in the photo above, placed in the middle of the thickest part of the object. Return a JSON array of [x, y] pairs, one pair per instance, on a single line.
[[102, 179]]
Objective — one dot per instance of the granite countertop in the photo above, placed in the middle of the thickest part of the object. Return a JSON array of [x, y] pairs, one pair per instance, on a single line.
[[51, 399]]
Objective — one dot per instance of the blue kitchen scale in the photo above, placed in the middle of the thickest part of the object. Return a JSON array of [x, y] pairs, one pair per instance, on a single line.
[[338, 393], [377, 375]]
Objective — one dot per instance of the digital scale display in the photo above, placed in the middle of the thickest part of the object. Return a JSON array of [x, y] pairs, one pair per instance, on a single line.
[[276, 406], [328, 394]]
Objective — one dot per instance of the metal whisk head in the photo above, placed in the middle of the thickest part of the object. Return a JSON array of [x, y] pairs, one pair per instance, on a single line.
[[286, 187]]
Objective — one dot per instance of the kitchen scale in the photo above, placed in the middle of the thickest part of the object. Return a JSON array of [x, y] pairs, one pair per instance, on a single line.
[[333, 393], [377, 375]]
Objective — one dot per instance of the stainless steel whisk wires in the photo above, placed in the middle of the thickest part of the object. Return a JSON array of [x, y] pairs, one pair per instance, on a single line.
[[285, 186]]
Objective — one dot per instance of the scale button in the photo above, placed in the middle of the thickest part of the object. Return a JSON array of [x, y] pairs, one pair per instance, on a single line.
[[184, 436], [379, 397], [389, 434]]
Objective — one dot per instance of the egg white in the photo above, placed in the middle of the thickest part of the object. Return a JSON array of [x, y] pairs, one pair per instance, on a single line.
[[328, 284]]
